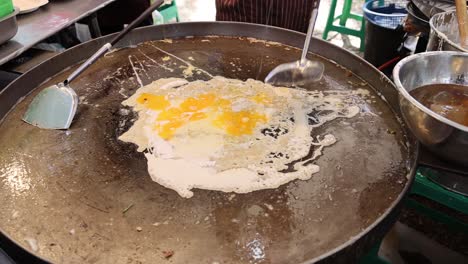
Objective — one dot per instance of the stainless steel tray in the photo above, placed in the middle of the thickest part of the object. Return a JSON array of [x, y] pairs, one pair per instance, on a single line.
[[8, 27]]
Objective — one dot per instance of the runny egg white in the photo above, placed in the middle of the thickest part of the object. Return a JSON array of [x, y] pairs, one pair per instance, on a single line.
[[230, 135]]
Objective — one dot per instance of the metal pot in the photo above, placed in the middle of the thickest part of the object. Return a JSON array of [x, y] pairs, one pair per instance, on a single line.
[[417, 19], [444, 33], [443, 137], [417, 24], [8, 27], [432, 7]]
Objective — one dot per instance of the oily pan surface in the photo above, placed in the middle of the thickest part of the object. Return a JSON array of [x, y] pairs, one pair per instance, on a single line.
[[81, 195]]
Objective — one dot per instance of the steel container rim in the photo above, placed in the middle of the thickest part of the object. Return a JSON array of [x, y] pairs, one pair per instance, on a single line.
[[442, 35]]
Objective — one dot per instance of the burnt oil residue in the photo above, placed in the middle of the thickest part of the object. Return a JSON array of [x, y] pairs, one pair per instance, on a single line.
[[84, 196]]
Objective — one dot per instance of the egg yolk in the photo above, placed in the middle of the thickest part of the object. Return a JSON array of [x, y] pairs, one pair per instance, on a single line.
[[222, 104], [172, 113], [261, 98], [198, 103], [167, 130], [153, 102], [198, 116], [239, 123], [195, 108]]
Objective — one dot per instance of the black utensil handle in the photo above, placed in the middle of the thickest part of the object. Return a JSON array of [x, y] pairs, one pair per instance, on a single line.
[[137, 21], [109, 45], [4, 258]]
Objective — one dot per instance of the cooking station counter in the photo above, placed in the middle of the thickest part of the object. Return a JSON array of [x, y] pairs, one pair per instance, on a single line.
[[45, 22]]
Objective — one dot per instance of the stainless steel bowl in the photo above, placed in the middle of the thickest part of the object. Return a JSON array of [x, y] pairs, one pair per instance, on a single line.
[[444, 33], [445, 138]]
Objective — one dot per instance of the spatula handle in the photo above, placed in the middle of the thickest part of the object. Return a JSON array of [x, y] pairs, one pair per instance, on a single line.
[[109, 45], [88, 62]]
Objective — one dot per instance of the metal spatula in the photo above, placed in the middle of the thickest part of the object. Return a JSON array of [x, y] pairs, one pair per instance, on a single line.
[[55, 106], [302, 72]]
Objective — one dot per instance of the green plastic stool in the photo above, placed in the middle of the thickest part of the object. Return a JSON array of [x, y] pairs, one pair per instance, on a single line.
[[169, 12], [6, 8], [373, 257], [426, 188], [341, 27]]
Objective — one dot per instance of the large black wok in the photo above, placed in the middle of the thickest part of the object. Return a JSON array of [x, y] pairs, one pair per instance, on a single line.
[[82, 196]]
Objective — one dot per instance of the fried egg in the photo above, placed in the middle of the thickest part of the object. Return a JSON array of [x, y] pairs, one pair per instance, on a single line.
[[231, 135]]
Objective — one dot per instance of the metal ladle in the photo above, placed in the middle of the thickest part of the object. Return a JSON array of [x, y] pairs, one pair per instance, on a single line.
[[301, 72]]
